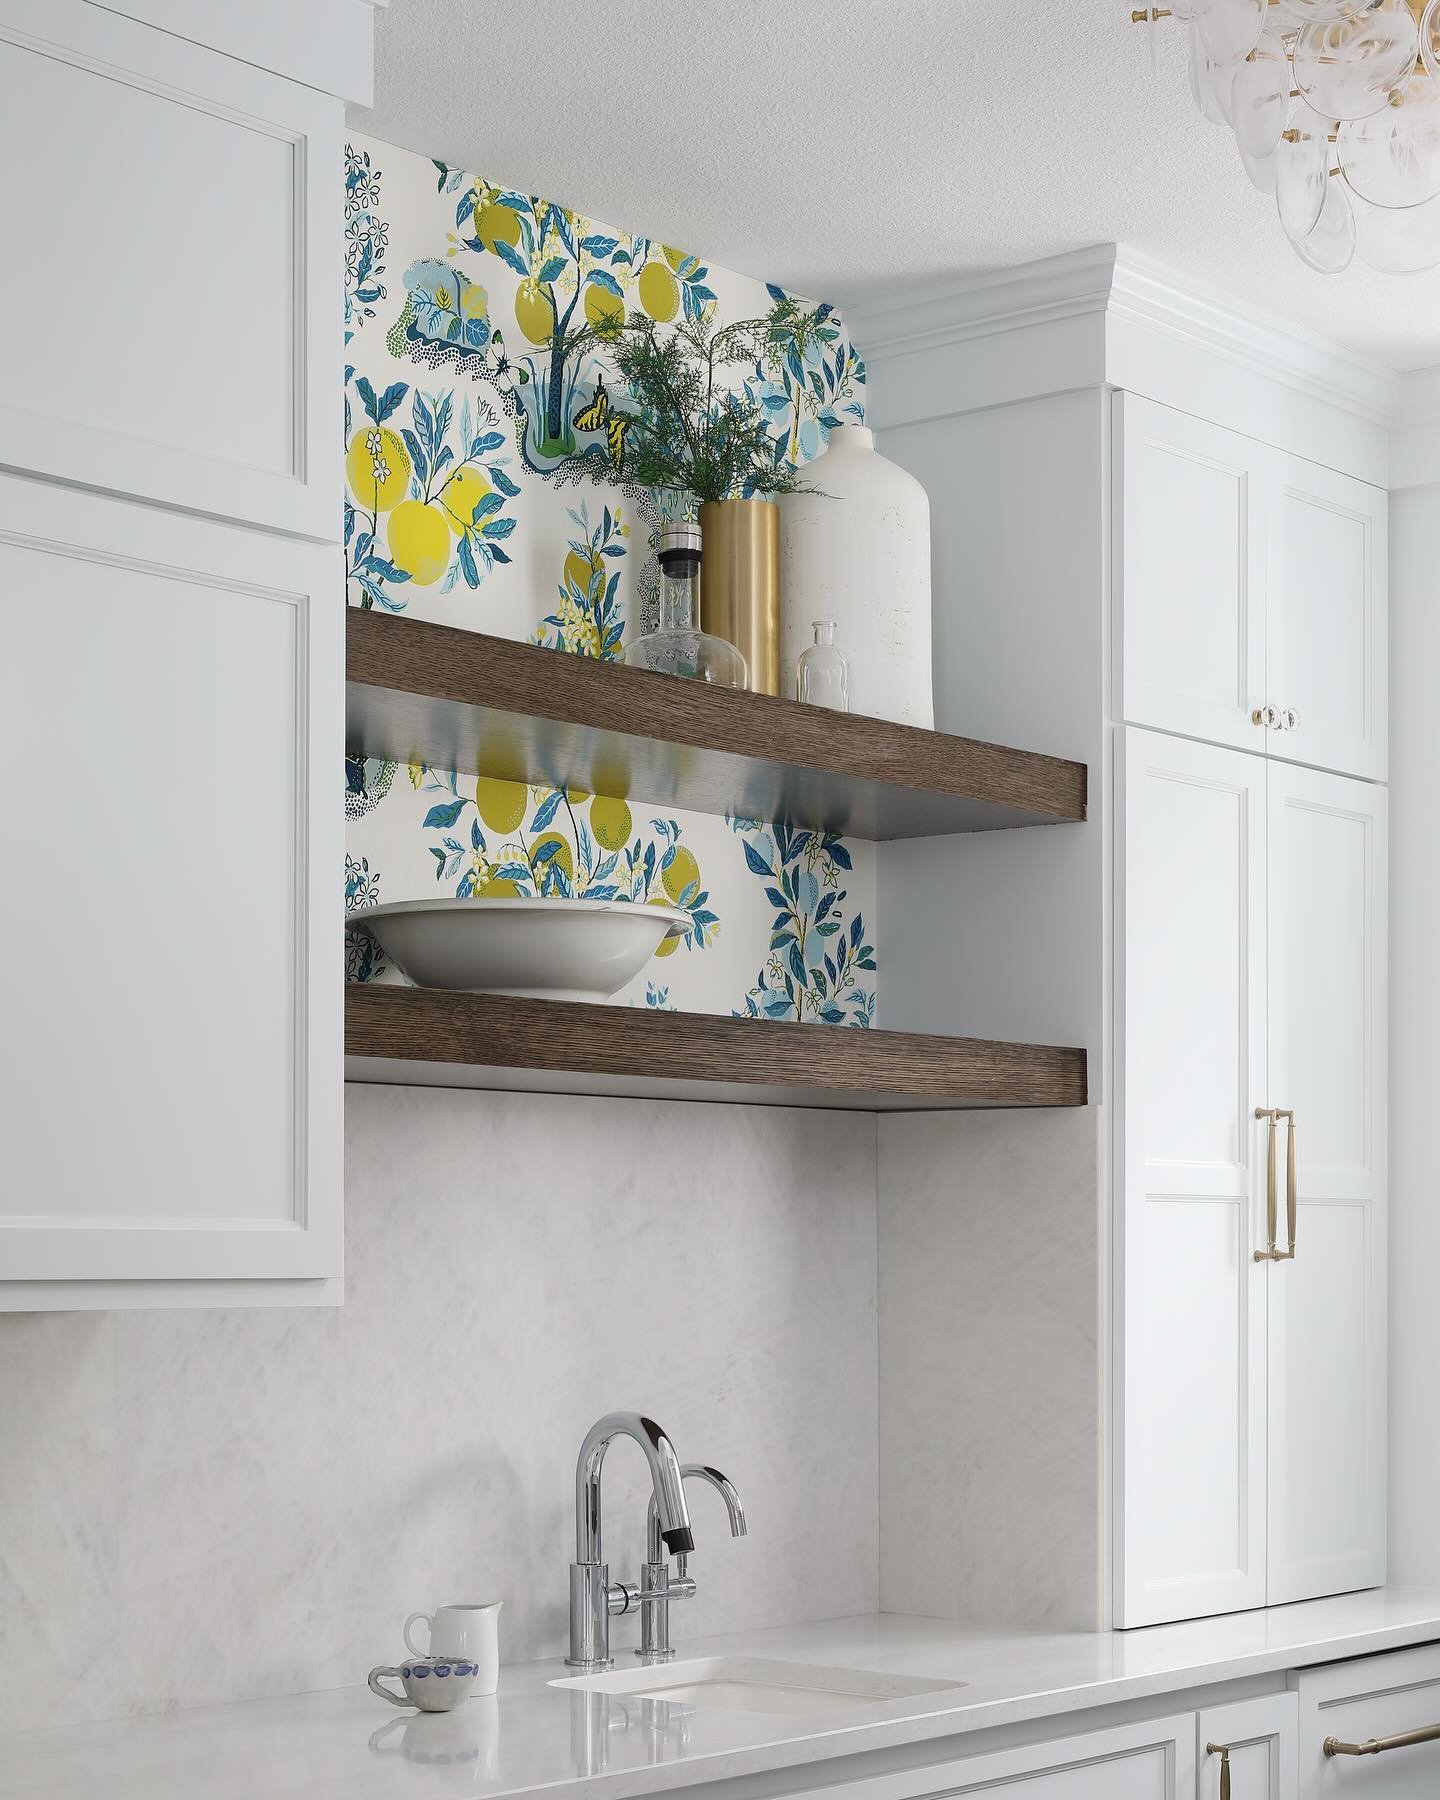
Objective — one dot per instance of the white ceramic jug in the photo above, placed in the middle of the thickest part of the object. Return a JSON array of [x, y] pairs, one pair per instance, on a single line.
[[469, 1629], [861, 557]]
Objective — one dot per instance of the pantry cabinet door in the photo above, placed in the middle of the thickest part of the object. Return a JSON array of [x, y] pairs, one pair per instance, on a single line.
[[170, 1097], [1258, 1740], [1189, 574], [1189, 1350], [1327, 955], [1326, 618]]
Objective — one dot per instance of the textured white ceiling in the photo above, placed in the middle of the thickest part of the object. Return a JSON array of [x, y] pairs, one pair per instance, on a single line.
[[842, 147]]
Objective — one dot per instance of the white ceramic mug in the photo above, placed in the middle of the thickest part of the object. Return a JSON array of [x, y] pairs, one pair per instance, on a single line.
[[431, 1683], [469, 1630]]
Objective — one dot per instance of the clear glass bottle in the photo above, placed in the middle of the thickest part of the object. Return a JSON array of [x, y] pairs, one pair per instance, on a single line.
[[680, 647], [822, 675]]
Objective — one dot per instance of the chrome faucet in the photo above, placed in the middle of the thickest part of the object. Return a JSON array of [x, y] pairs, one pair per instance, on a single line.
[[592, 1598], [656, 1588]]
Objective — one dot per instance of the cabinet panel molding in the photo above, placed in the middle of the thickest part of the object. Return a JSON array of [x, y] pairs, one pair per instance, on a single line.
[[1370, 1697], [171, 1102], [1189, 574], [190, 354], [1189, 1317], [1153, 1760], [1328, 905], [1262, 1740]]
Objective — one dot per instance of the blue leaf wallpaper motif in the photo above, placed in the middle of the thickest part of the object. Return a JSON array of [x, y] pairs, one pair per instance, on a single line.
[[471, 440]]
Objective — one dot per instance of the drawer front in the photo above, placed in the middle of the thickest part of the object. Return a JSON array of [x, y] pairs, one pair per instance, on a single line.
[[1373, 1699], [1256, 1742], [1151, 1761]]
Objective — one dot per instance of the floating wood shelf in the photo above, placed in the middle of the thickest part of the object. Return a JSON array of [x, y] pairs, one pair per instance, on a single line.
[[418, 692], [428, 1038]]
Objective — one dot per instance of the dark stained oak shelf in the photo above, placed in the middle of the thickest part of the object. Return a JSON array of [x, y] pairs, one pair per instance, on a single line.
[[418, 692], [428, 1037]]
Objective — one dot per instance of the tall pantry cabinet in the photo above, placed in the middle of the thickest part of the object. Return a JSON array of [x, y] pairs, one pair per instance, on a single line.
[[1175, 568], [171, 648]]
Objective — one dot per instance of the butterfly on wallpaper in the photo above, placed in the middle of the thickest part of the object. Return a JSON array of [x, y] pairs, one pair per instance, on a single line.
[[593, 416], [598, 416]]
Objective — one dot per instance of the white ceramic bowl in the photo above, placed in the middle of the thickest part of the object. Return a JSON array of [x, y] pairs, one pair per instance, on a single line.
[[540, 949]]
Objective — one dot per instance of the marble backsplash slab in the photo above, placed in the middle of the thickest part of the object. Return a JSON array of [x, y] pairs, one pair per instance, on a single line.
[[201, 1506]]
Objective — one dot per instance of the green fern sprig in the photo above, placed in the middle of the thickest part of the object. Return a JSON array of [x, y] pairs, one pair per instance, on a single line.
[[688, 432]]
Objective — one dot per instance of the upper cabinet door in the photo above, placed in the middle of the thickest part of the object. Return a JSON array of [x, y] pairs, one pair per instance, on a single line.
[[171, 308], [1327, 944], [1189, 575], [170, 1106], [1190, 1065], [1326, 611]]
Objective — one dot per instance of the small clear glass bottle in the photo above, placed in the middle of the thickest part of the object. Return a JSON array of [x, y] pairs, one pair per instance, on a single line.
[[680, 647], [822, 675]]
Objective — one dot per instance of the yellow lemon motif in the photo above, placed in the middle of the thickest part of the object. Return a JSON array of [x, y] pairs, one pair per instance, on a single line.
[[497, 224], [377, 466], [498, 887], [578, 570], [576, 796], [501, 804], [461, 495], [667, 946], [419, 540], [680, 875], [564, 857], [610, 821], [602, 308], [659, 292], [675, 257], [535, 310]]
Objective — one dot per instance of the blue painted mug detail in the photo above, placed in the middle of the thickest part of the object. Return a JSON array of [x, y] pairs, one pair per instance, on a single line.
[[429, 1685]]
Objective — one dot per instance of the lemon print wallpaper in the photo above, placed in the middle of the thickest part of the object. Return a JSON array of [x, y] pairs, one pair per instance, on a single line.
[[485, 489]]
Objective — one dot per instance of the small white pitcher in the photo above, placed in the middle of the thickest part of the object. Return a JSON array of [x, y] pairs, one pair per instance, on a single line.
[[470, 1630]]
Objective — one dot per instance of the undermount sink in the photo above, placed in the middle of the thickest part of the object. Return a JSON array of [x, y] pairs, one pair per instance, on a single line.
[[753, 1684]]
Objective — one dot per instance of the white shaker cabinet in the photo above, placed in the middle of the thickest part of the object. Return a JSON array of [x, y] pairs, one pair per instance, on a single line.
[[1152, 1760], [1251, 905], [172, 223], [1328, 907], [1189, 574], [1255, 1742], [171, 1101], [1250, 593], [1390, 1705], [171, 649], [1191, 1066]]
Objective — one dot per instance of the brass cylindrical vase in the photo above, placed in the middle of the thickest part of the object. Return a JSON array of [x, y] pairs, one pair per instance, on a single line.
[[740, 583]]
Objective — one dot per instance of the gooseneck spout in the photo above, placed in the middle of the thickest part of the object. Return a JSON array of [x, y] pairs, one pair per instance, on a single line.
[[723, 1486], [667, 1497], [591, 1597]]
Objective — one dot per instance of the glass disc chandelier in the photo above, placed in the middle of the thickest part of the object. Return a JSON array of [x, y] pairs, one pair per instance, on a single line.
[[1335, 108]]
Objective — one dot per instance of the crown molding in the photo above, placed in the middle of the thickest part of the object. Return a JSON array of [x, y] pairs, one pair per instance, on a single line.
[[324, 44], [1127, 290], [1415, 439], [982, 305]]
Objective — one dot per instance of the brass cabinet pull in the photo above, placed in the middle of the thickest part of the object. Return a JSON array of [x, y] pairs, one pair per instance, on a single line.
[[1272, 1197], [1428, 1734], [1223, 1752]]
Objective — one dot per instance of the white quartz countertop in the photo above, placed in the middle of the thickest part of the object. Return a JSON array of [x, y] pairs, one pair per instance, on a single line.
[[532, 1737]]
